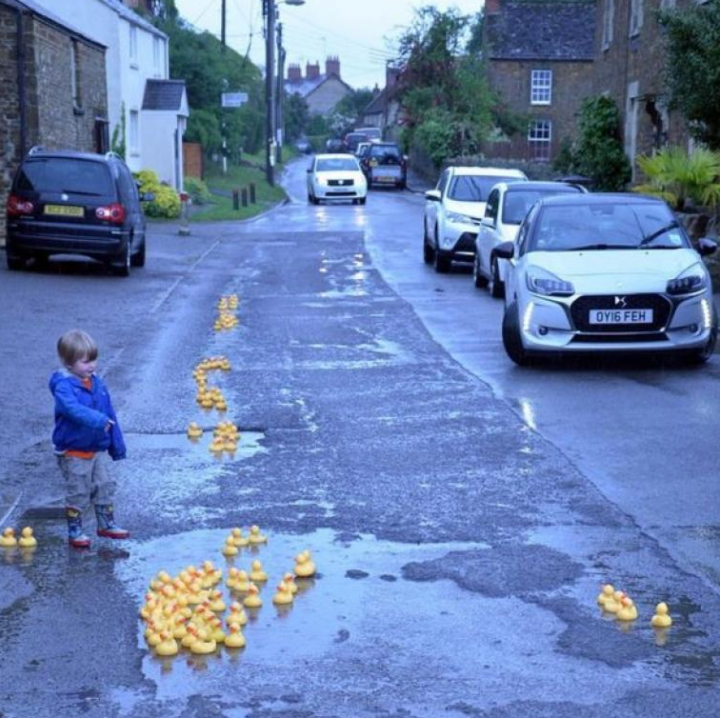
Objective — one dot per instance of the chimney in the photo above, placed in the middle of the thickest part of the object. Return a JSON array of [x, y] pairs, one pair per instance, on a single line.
[[492, 7], [332, 66], [294, 73], [312, 71], [392, 74]]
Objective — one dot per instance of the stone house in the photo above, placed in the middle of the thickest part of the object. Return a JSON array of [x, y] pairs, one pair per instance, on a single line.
[[321, 91], [629, 61], [540, 61], [384, 110], [53, 80]]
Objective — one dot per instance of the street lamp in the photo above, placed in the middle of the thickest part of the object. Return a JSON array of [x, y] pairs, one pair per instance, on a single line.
[[270, 13]]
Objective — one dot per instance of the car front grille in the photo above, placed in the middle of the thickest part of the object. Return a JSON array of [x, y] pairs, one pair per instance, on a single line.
[[581, 307], [619, 338], [341, 183]]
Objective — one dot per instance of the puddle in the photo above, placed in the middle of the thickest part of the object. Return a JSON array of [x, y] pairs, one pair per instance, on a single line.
[[248, 446]]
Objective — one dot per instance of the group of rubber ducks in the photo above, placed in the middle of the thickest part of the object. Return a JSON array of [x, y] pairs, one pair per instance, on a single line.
[[624, 609], [26, 540], [186, 610], [226, 318]]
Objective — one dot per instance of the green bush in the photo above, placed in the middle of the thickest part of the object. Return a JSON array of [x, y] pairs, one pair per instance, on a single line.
[[198, 190], [166, 203]]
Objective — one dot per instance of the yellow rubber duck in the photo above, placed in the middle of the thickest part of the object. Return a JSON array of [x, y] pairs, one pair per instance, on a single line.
[[289, 580], [168, 645], [212, 574], [607, 592], [235, 638], [242, 583], [194, 431], [236, 615], [7, 539], [229, 549], [230, 445], [283, 596], [217, 605], [627, 610], [257, 575], [217, 446], [216, 632], [304, 566], [207, 402], [221, 404], [612, 605], [662, 618], [225, 364], [203, 644], [256, 537], [191, 635], [27, 540], [232, 578], [252, 600], [238, 539]]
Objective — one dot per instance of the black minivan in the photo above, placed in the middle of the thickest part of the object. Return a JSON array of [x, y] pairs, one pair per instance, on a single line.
[[67, 202]]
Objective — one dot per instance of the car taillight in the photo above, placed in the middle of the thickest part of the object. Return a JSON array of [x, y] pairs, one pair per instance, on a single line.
[[114, 213], [17, 206]]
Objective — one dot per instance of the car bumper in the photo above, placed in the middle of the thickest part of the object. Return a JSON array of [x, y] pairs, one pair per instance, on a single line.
[[547, 326], [354, 192], [100, 242], [458, 242]]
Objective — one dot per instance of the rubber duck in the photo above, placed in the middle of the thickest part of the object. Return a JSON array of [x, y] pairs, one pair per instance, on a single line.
[[7, 539], [180, 628], [217, 605], [27, 540], [229, 549], [252, 600], [217, 446], [289, 580], [230, 445], [242, 583], [221, 404], [225, 364], [201, 396], [190, 636], [203, 644], [222, 303], [194, 431], [238, 539], [236, 615], [215, 631], [256, 537], [235, 638], [168, 645], [207, 402], [304, 566], [627, 610], [607, 592], [212, 575], [257, 575], [612, 605], [662, 618], [283, 595]]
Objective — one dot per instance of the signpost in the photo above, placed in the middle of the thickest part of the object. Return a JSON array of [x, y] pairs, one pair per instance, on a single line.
[[234, 99]]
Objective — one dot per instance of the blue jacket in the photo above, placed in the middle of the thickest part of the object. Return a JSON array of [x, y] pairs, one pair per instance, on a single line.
[[81, 416]]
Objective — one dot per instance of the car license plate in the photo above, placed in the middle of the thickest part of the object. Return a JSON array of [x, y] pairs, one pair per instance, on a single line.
[[64, 210], [621, 316]]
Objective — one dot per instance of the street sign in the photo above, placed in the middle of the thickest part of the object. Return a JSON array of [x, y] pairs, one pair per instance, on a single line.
[[234, 99]]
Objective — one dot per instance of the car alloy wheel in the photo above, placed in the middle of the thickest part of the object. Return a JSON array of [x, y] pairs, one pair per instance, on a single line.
[[495, 285]]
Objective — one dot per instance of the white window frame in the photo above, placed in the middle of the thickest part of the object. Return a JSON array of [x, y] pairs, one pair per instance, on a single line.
[[636, 17], [133, 46], [134, 132], [540, 87], [540, 139], [608, 24]]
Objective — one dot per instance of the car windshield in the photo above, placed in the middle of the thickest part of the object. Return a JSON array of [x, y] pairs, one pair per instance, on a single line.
[[563, 228], [518, 202], [385, 154], [65, 174], [336, 164], [474, 188]]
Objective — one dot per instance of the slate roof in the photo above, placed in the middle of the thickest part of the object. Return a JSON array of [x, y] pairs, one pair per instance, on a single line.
[[381, 100], [541, 31], [305, 87], [163, 95], [133, 17]]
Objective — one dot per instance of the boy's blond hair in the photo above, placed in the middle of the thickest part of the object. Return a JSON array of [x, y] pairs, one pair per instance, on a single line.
[[76, 344]]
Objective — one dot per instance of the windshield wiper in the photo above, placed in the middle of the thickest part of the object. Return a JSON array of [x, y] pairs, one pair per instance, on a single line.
[[77, 191], [656, 234], [601, 246]]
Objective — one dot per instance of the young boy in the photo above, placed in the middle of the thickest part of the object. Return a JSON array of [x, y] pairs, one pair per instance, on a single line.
[[85, 429]]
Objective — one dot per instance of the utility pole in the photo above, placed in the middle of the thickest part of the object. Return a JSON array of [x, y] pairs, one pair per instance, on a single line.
[[279, 119], [223, 25], [269, 8]]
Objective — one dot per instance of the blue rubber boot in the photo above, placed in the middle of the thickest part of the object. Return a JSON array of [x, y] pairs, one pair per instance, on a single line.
[[76, 535], [106, 525]]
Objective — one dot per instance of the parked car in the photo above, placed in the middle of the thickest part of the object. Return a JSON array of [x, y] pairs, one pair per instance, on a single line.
[[353, 139], [303, 145], [334, 145], [361, 150], [372, 133], [454, 209], [606, 272], [384, 164], [336, 176], [67, 202], [507, 205]]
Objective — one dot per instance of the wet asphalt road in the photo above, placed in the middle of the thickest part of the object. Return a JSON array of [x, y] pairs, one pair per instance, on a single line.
[[461, 536]]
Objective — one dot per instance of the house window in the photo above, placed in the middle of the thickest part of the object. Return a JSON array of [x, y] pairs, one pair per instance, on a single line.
[[539, 139], [636, 17], [133, 46], [134, 135], [540, 87], [156, 55], [608, 23], [75, 73]]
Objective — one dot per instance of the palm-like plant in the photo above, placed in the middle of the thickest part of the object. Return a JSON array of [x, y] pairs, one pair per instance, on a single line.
[[677, 176]]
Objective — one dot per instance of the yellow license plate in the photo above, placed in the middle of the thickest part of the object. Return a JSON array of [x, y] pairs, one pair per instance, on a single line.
[[64, 210]]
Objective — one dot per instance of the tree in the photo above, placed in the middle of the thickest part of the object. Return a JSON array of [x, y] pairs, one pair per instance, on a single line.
[[692, 68], [296, 114], [353, 104]]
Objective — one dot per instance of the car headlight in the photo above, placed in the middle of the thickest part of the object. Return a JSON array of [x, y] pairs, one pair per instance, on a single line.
[[690, 281], [321, 180], [540, 281], [457, 218]]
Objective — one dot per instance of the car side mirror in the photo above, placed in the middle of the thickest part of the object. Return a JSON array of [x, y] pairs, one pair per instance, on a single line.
[[433, 195], [706, 246], [505, 250], [309, 170], [147, 197]]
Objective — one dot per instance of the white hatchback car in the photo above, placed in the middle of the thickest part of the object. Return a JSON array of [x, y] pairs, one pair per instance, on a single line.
[[334, 177], [453, 211], [506, 208], [606, 272]]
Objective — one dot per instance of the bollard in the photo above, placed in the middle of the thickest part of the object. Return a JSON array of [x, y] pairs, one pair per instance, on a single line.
[[184, 229], [236, 204], [252, 193], [244, 197]]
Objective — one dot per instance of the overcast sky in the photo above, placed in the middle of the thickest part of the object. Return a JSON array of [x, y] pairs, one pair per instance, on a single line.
[[359, 32]]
